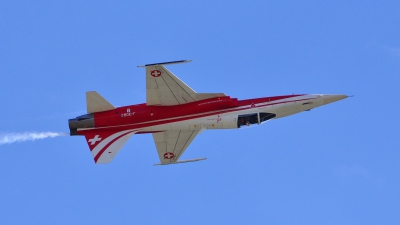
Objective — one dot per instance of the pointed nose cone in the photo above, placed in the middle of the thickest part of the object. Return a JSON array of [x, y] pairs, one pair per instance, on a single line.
[[332, 98]]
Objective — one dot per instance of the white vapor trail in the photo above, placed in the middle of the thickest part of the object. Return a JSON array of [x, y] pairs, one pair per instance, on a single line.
[[9, 138]]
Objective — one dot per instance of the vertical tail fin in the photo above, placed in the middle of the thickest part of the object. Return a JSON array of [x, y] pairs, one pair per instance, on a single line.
[[96, 103], [104, 146]]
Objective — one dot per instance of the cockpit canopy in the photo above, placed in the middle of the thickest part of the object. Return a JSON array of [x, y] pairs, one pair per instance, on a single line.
[[254, 118]]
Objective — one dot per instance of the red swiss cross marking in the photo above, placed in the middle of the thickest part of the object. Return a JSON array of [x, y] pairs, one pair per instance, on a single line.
[[155, 73], [169, 155]]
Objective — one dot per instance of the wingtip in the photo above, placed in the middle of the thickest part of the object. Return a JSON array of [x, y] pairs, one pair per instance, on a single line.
[[166, 63], [178, 162]]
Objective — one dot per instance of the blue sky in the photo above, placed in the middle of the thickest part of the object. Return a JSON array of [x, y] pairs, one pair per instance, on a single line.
[[337, 164]]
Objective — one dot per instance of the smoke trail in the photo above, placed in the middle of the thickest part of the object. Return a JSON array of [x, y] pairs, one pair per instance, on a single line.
[[27, 136]]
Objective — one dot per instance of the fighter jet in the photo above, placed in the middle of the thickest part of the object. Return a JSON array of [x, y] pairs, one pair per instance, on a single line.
[[174, 114]]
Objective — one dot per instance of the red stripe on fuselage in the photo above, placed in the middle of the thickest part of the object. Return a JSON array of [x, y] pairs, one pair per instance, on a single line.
[[153, 121]]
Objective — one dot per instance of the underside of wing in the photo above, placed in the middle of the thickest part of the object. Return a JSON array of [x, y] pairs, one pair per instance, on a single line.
[[171, 144], [163, 88]]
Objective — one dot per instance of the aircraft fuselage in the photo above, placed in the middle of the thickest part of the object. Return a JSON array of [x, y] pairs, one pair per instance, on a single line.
[[215, 113]]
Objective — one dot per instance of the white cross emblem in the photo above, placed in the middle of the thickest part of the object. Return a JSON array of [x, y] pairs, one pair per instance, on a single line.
[[155, 73], [169, 155], [94, 140]]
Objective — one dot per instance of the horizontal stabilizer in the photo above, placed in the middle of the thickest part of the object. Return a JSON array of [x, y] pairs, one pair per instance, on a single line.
[[96, 103], [183, 161]]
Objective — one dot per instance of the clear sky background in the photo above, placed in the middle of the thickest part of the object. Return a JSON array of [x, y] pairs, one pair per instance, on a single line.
[[338, 164]]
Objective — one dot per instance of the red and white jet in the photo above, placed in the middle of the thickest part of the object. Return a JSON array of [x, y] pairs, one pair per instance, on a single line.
[[174, 114]]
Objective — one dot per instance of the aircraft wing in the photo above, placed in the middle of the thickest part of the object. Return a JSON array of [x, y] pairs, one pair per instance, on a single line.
[[164, 88], [171, 144], [106, 145]]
